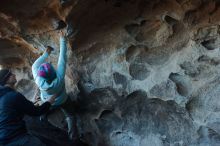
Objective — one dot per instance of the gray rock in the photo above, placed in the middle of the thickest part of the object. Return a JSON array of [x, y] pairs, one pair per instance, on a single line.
[[133, 52], [184, 85], [210, 44], [208, 137], [159, 49], [139, 71], [108, 122], [204, 102], [190, 69], [28, 88], [99, 99], [156, 56], [132, 29], [168, 91], [137, 119], [120, 79]]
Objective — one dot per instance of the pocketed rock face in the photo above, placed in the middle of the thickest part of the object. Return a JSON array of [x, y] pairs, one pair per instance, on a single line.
[[135, 120], [141, 72]]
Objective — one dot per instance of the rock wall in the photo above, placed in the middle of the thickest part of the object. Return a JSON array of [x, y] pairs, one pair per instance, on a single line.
[[141, 72]]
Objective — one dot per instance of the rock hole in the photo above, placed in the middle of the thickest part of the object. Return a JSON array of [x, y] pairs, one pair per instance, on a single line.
[[118, 132], [213, 134], [105, 113], [132, 29], [143, 22], [136, 94], [117, 4], [139, 71], [182, 83], [85, 88], [120, 79], [203, 58], [209, 44], [60, 25], [132, 52], [207, 59], [170, 20]]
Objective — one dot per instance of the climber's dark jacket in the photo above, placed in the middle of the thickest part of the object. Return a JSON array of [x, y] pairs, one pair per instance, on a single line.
[[13, 107]]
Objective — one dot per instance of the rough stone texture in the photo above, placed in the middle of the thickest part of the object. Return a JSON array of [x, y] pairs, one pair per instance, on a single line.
[[135, 120], [168, 91], [141, 72]]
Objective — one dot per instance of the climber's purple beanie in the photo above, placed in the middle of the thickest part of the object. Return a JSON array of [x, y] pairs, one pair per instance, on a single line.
[[47, 71]]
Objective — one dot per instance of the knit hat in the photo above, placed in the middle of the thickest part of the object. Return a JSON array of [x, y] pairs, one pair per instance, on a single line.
[[4, 75], [47, 71]]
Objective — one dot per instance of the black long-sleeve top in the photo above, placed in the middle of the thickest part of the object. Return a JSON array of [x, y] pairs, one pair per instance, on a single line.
[[13, 107]]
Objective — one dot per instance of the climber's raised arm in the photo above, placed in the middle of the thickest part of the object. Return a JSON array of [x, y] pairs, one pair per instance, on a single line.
[[61, 65]]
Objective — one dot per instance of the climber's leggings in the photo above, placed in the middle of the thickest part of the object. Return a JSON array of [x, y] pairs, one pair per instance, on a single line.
[[68, 107]]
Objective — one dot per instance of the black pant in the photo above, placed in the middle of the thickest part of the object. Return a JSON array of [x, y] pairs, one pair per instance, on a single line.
[[68, 106]]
